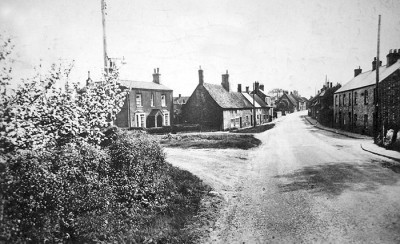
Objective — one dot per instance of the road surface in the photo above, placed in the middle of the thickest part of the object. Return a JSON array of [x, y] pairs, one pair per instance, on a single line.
[[302, 185]]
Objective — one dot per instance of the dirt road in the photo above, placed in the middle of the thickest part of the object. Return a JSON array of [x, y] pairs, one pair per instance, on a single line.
[[301, 185]]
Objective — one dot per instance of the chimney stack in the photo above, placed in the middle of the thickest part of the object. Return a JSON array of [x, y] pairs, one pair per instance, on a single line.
[[239, 87], [179, 95], [156, 76], [392, 57], [247, 89], [331, 85], [374, 64], [201, 77], [262, 87], [356, 72], [257, 86], [225, 81]]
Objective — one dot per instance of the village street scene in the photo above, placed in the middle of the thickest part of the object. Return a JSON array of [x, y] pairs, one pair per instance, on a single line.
[[199, 121]]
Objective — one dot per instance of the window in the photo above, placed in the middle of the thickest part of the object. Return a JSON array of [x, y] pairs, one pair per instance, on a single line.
[[140, 120], [349, 99], [139, 100], [374, 95], [336, 100], [366, 97], [163, 100], [166, 118], [232, 123], [355, 120], [349, 118], [365, 121], [340, 97], [355, 98], [344, 98], [152, 100]]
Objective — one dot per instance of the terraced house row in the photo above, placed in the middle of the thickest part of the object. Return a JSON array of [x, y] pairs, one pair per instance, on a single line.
[[218, 107], [354, 102]]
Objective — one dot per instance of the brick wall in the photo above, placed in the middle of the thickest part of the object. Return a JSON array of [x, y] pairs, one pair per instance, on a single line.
[[389, 92], [202, 109], [354, 109]]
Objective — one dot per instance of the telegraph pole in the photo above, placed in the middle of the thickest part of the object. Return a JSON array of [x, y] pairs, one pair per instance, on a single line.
[[254, 106], [103, 15], [377, 122]]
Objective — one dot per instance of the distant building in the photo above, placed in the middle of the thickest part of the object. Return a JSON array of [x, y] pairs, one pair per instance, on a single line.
[[217, 107], [148, 104], [179, 102], [286, 103], [354, 102], [321, 105]]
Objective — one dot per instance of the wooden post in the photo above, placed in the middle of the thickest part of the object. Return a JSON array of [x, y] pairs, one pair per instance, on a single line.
[[254, 106], [377, 117], [103, 15]]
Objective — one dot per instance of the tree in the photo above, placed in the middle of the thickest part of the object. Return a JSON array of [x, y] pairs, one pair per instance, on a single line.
[[38, 115]]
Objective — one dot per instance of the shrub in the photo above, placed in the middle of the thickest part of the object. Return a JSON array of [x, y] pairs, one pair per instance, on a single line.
[[136, 162], [46, 191]]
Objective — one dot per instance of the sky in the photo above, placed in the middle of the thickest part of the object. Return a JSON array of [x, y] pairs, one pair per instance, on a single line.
[[292, 44]]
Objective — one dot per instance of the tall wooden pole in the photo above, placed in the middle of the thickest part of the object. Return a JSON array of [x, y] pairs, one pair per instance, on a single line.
[[254, 106], [377, 117], [103, 14]]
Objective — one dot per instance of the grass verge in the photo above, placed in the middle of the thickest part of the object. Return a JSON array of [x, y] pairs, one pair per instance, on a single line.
[[191, 212], [257, 129], [209, 140]]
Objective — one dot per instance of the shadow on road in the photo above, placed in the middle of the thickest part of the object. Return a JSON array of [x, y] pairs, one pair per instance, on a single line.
[[334, 178]]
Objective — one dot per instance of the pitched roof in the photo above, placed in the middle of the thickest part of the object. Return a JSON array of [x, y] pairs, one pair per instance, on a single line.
[[180, 100], [250, 99], [369, 78], [291, 98], [227, 99], [143, 85]]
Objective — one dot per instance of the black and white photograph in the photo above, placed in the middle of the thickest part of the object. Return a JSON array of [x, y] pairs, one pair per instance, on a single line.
[[199, 121]]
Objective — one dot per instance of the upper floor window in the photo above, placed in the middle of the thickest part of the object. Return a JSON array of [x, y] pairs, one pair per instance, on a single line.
[[349, 99], [336, 100], [163, 103], [366, 97], [152, 100], [355, 98], [340, 97], [344, 99], [166, 119], [139, 100]]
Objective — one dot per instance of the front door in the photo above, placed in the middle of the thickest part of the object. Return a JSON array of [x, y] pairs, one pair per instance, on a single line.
[[159, 120]]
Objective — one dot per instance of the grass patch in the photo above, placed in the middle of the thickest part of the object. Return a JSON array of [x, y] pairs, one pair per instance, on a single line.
[[174, 226], [210, 140], [257, 129]]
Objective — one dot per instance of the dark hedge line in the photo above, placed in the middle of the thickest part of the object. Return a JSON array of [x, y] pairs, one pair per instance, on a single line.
[[87, 194]]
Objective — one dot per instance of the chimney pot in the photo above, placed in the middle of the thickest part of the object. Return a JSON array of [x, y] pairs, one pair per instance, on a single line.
[[247, 89], [201, 77], [179, 95]]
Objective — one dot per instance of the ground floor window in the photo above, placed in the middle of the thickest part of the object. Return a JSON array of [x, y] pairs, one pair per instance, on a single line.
[[355, 120], [232, 123], [140, 120], [365, 121], [166, 118]]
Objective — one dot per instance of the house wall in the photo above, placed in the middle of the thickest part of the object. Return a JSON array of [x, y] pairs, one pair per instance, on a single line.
[[202, 109], [123, 116], [389, 93], [350, 115], [232, 117]]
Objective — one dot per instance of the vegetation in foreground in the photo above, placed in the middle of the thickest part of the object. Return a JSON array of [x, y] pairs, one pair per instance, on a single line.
[[65, 178], [210, 140]]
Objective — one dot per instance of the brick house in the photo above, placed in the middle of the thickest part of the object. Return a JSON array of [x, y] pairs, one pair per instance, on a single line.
[[216, 107], [321, 105], [354, 102], [147, 105], [389, 93], [266, 100]]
